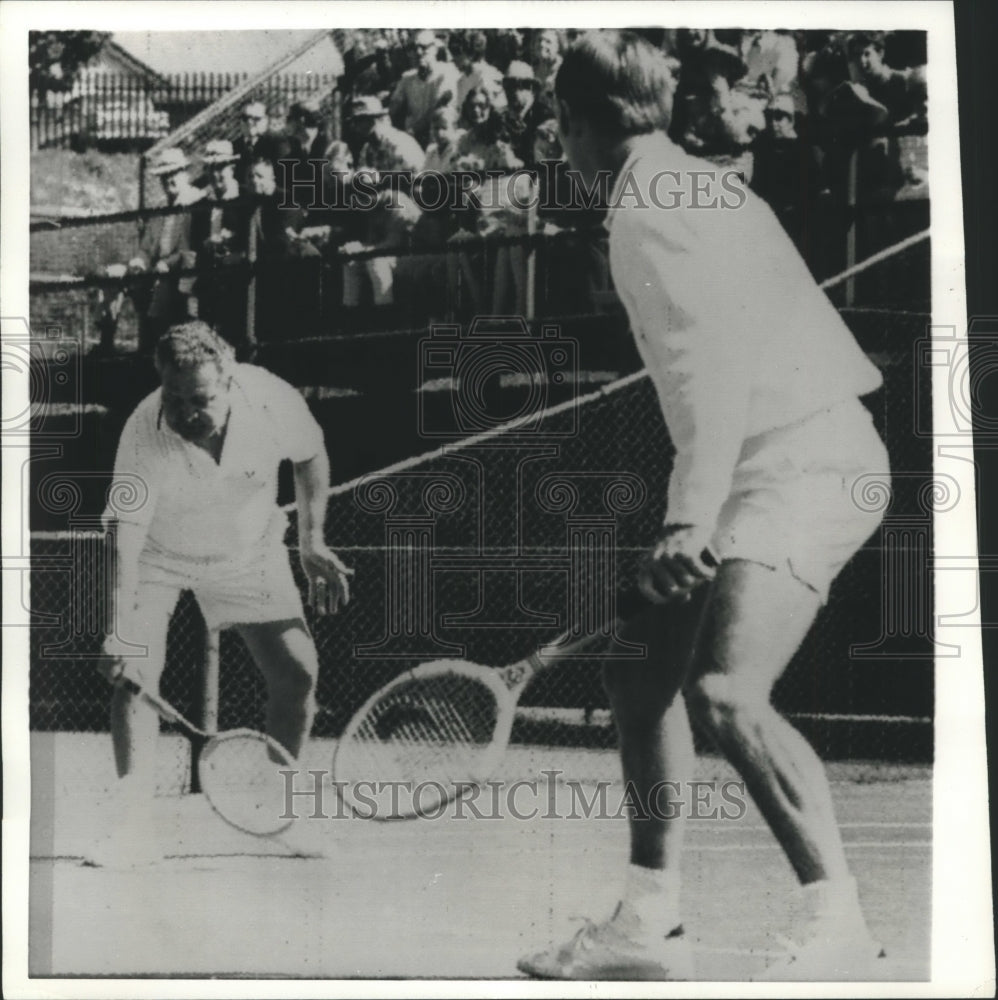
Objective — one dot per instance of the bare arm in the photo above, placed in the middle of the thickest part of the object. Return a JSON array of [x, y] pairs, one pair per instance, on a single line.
[[328, 577], [311, 489], [130, 506]]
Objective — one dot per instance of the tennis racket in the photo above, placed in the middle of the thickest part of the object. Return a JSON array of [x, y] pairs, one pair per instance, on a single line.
[[238, 770], [436, 731]]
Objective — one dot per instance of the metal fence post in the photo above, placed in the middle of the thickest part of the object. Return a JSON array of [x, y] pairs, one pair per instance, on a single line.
[[852, 185]]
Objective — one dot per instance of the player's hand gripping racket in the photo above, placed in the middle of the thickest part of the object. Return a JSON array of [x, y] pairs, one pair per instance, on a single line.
[[239, 770], [436, 731]]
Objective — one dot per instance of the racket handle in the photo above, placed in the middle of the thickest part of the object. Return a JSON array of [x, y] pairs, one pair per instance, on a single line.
[[162, 707], [630, 603]]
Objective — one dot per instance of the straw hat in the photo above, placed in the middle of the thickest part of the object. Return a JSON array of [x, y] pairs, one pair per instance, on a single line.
[[171, 161], [519, 71], [367, 106], [219, 152]]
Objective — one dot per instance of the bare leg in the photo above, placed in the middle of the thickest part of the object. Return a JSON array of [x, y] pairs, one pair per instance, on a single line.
[[754, 622], [656, 744], [285, 654], [134, 725], [643, 939]]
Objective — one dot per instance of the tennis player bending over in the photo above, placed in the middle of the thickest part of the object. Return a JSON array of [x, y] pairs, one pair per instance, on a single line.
[[759, 382], [207, 446]]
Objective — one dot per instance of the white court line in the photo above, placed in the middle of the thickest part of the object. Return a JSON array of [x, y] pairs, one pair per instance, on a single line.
[[849, 845], [702, 848], [858, 825], [745, 952]]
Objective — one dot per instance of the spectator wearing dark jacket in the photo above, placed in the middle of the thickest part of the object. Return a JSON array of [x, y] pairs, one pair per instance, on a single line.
[[258, 142], [310, 139], [525, 110], [279, 258], [787, 174], [901, 91], [222, 283], [309, 142]]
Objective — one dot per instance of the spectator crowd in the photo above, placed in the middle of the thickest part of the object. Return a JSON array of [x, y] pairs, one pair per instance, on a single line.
[[785, 109]]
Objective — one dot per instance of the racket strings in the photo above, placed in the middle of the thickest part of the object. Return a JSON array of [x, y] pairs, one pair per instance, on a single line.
[[241, 778], [430, 734]]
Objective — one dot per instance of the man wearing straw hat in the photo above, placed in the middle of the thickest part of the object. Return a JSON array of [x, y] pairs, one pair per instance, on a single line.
[[384, 148], [222, 287], [525, 110], [759, 383], [167, 248]]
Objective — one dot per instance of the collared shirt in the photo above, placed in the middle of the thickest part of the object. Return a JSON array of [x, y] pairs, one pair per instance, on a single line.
[[391, 149], [199, 510], [737, 337]]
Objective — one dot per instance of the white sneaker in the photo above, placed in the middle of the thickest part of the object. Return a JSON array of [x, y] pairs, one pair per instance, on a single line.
[[829, 952], [606, 951]]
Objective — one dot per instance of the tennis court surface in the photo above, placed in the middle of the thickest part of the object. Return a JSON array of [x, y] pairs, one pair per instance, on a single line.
[[456, 897]]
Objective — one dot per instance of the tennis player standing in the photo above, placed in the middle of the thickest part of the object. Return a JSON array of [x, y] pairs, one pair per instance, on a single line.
[[205, 447], [759, 382]]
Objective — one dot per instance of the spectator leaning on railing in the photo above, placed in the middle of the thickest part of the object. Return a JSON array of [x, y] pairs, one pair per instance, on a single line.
[[222, 281], [277, 253], [167, 247], [901, 91], [382, 146]]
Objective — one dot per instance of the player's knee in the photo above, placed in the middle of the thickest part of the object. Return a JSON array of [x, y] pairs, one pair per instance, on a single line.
[[724, 704]]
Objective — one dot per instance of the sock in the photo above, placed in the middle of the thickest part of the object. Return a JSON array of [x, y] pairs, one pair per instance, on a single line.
[[833, 899], [650, 903]]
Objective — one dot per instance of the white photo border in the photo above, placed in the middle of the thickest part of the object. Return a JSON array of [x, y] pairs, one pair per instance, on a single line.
[[962, 938]]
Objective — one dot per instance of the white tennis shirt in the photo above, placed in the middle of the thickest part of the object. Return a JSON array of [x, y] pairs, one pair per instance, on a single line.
[[197, 508], [736, 335]]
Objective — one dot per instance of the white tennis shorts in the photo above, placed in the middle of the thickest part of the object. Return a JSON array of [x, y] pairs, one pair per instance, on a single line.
[[792, 502], [229, 592]]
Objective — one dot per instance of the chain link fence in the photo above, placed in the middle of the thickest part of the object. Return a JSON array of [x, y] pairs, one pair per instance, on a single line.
[[488, 545]]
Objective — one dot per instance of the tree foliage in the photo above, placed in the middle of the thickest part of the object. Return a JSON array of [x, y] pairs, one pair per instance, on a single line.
[[56, 57]]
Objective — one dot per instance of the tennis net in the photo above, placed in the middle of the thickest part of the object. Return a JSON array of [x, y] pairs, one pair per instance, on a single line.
[[486, 546]]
